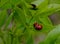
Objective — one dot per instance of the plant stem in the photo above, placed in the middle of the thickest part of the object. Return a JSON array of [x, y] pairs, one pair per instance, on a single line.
[[3, 40], [12, 38]]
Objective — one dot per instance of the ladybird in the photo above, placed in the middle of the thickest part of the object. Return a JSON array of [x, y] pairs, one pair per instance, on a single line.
[[37, 26]]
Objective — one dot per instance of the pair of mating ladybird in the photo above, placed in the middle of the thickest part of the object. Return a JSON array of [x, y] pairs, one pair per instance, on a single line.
[[37, 26]]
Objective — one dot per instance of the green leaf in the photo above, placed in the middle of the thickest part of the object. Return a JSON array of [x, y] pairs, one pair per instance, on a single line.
[[3, 2], [29, 39], [14, 2], [54, 1], [8, 40], [28, 13], [21, 16], [8, 20], [53, 35], [15, 40], [1, 41], [50, 9], [6, 6], [29, 1], [3, 15], [40, 4], [46, 23], [57, 40]]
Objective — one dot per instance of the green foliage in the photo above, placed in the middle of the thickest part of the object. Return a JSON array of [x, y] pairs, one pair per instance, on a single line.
[[55, 1], [53, 37], [23, 16], [2, 17]]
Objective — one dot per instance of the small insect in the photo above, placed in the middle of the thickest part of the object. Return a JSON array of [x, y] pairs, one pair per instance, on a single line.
[[33, 7], [37, 26], [18, 6]]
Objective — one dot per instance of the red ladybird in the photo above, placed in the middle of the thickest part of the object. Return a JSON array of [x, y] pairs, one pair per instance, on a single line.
[[37, 26]]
